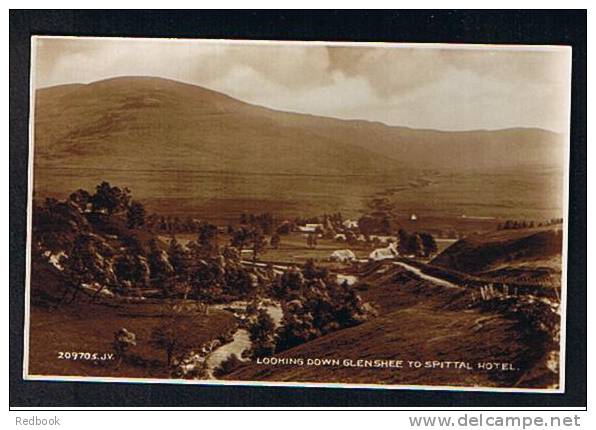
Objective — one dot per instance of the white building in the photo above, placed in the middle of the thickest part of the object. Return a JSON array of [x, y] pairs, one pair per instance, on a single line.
[[342, 256], [310, 228], [340, 237], [350, 224], [388, 253]]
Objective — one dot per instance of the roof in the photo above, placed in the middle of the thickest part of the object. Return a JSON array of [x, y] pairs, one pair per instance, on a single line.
[[382, 253], [343, 252]]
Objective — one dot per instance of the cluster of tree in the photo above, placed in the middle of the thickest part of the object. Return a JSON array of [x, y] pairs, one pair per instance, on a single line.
[[253, 238], [109, 200], [55, 223], [261, 329], [518, 224], [200, 270], [172, 224], [75, 229], [378, 223], [315, 304], [265, 221], [112, 200], [418, 244]]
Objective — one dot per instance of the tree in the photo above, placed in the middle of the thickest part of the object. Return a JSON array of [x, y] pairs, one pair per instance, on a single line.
[[84, 265], [415, 246], [284, 228], [351, 238], [123, 341], [241, 238], [80, 198], [131, 269], [403, 245], [180, 259], [111, 199], [177, 334], [207, 239], [227, 366], [288, 284], [258, 242], [262, 334], [135, 215], [429, 244], [275, 239], [159, 264]]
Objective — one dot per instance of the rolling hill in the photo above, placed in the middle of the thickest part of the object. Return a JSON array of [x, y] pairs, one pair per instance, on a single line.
[[180, 126], [481, 253], [186, 149]]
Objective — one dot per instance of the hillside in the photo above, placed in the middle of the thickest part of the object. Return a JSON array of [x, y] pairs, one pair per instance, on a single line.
[[419, 320], [180, 126], [505, 249], [190, 150], [177, 126]]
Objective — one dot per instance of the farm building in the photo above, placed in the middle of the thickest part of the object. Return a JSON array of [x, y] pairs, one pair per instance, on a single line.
[[350, 224], [388, 253], [342, 256], [311, 228]]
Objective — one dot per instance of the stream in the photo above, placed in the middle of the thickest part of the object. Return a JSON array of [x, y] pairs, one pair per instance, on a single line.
[[241, 339]]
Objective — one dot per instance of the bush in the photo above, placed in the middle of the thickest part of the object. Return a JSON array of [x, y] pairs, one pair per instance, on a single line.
[[227, 366], [315, 305]]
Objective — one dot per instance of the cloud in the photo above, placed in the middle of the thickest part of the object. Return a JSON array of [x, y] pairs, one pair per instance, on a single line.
[[425, 87]]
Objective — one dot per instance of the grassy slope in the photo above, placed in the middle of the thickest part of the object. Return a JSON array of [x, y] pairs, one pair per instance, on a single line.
[[189, 131], [529, 248], [417, 321], [180, 126], [89, 327], [211, 131]]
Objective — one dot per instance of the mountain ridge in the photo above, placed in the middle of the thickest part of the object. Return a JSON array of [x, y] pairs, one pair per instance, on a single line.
[[79, 122], [347, 120]]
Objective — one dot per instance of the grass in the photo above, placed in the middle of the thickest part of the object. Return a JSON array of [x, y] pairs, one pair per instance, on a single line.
[[222, 197], [294, 250], [417, 321], [83, 327]]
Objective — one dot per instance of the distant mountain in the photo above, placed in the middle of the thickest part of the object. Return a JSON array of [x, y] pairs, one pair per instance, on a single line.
[[153, 123]]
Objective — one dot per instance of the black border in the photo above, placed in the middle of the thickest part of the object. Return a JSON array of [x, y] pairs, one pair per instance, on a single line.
[[554, 27]]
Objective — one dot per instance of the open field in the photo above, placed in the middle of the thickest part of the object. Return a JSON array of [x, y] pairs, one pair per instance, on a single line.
[[293, 248], [222, 197], [84, 327]]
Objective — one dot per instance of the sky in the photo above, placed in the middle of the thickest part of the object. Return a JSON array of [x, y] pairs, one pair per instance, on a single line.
[[446, 87]]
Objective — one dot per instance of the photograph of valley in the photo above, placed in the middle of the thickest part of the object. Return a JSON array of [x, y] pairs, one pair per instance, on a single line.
[[341, 214]]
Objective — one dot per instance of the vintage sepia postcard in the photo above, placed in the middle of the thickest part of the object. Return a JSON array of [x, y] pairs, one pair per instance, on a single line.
[[298, 213]]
